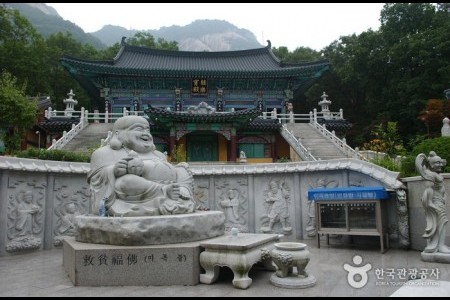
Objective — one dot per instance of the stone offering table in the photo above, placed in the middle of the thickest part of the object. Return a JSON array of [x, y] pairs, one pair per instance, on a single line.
[[239, 253]]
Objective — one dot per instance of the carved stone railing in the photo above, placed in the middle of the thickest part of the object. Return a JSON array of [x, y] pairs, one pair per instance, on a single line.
[[312, 116], [67, 136], [85, 119]]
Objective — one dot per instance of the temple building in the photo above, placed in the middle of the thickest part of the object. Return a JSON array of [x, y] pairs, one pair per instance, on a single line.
[[205, 105]]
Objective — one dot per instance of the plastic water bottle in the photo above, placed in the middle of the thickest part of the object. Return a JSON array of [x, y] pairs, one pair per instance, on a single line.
[[234, 232], [102, 209]]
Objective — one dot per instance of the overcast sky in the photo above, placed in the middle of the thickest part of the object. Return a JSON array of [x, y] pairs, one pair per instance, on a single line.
[[293, 25]]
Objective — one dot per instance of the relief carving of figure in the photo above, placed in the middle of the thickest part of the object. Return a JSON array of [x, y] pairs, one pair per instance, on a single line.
[[402, 214], [230, 204], [433, 201], [129, 177], [277, 199], [67, 220], [232, 201], [25, 222], [26, 213], [201, 197]]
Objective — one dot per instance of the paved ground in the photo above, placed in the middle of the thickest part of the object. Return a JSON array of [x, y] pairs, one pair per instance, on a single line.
[[41, 274]]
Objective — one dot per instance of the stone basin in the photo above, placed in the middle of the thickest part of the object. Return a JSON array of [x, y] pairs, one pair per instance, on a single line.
[[290, 246]]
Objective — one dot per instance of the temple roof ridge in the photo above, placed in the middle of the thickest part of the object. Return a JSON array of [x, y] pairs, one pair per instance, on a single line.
[[139, 58], [226, 53]]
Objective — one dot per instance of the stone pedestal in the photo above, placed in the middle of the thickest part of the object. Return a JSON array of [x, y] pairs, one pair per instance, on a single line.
[[151, 230], [435, 257], [109, 265]]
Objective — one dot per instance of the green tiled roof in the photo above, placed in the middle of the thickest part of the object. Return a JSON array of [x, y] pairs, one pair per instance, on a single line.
[[246, 119], [58, 124], [263, 124], [143, 61], [158, 116]]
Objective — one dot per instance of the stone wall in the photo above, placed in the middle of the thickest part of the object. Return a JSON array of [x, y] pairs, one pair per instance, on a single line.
[[60, 191]]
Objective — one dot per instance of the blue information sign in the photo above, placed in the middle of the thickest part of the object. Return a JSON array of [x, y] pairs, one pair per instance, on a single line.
[[347, 193]]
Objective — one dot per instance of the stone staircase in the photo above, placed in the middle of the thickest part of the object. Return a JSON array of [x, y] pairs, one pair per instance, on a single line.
[[90, 137], [319, 146]]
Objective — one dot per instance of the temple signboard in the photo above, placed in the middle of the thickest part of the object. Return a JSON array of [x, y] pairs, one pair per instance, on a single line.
[[347, 193], [199, 86]]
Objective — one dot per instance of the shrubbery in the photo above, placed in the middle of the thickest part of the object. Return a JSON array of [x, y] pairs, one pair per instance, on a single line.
[[58, 155], [440, 145]]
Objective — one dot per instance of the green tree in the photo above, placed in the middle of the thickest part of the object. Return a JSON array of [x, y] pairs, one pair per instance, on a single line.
[[416, 39], [388, 73], [143, 38], [282, 53], [140, 38], [441, 145], [356, 72], [432, 116], [110, 52], [17, 112], [299, 55], [22, 51], [61, 82], [386, 139]]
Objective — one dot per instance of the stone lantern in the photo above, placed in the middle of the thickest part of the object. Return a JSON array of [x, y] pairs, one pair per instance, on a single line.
[[70, 104], [325, 106]]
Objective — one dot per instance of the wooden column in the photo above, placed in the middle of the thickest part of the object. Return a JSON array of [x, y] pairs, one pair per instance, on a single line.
[[233, 146], [172, 141]]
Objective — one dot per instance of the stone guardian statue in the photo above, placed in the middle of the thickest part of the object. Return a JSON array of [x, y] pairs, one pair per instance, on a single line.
[[434, 203]]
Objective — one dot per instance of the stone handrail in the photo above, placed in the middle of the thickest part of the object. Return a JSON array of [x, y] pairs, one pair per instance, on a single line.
[[68, 136], [298, 147], [93, 117], [107, 117], [313, 116], [341, 144], [85, 118], [97, 117]]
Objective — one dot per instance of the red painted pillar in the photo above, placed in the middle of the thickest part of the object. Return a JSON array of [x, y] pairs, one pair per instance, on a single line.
[[172, 141], [273, 149], [233, 148]]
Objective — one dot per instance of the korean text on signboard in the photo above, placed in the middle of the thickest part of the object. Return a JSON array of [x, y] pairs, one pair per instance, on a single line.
[[199, 86], [344, 195]]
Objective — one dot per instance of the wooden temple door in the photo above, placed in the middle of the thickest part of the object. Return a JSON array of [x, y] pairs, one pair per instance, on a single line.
[[202, 148]]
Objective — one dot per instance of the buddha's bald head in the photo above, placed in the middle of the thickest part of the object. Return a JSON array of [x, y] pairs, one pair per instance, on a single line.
[[132, 132]]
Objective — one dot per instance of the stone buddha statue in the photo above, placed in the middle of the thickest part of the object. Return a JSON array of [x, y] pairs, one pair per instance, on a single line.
[[129, 177]]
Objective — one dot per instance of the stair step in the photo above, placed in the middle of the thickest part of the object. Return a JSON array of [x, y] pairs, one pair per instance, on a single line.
[[90, 137], [320, 146]]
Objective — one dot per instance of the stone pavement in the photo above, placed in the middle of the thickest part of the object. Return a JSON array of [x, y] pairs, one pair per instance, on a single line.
[[41, 274]]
